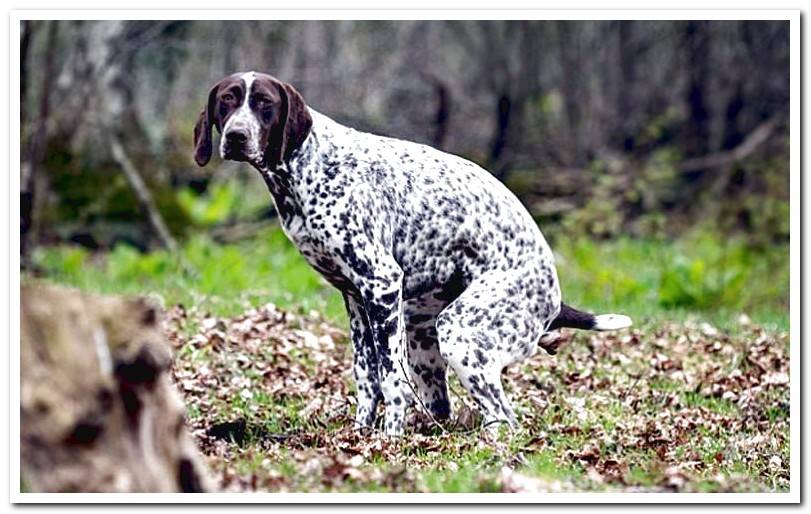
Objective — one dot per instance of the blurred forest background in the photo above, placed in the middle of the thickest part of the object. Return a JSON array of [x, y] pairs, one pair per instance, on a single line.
[[654, 154]]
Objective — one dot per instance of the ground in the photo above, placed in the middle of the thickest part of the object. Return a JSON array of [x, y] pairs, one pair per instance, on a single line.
[[679, 407], [690, 399]]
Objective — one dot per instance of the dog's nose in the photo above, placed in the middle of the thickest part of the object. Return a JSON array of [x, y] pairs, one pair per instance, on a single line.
[[237, 137]]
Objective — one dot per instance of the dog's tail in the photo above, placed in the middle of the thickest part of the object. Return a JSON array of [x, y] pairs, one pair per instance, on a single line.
[[573, 318]]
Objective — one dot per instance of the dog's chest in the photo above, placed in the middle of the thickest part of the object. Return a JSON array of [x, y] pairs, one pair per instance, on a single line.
[[307, 225]]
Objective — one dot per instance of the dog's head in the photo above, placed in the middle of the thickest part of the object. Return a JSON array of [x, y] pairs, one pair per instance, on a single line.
[[261, 120]]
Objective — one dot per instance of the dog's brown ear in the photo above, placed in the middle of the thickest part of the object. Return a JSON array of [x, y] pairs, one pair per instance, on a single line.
[[293, 126], [202, 129]]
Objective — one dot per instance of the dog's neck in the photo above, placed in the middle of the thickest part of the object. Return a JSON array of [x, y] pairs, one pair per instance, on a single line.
[[283, 178], [301, 156]]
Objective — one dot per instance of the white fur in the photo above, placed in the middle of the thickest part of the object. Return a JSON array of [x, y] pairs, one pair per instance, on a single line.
[[244, 118], [611, 322]]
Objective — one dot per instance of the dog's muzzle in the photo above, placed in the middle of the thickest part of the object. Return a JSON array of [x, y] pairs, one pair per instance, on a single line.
[[235, 145]]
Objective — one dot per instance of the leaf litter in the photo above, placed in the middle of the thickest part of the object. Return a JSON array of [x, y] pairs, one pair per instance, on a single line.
[[675, 407]]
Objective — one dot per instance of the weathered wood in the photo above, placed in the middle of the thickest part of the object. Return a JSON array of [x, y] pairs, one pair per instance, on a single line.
[[98, 411]]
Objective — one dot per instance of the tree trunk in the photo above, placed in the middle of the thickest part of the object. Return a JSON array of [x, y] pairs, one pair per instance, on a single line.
[[573, 97], [230, 29], [503, 113], [442, 116], [697, 141], [732, 130], [26, 30], [626, 100], [34, 183]]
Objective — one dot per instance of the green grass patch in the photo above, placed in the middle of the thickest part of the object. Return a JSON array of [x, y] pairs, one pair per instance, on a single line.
[[702, 276], [224, 279]]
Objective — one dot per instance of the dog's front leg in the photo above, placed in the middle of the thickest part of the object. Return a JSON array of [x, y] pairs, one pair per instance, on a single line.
[[365, 363], [383, 300]]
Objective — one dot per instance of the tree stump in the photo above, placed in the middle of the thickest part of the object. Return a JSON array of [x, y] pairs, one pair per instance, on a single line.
[[98, 410]]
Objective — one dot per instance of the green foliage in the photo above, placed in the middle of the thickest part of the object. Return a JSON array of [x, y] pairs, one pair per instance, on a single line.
[[64, 264], [95, 196], [695, 283], [648, 196], [648, 279], [702, 273], [210, 209], [765, 211], [223, 201], [713, 273], [602, 216], [660, 128], [224, 279]]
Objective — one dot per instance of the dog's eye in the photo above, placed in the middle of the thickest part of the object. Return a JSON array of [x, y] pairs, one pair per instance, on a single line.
[[228, 97]]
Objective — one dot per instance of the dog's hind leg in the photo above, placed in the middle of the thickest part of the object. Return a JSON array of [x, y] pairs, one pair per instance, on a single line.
[[495, 322], [427, 365]]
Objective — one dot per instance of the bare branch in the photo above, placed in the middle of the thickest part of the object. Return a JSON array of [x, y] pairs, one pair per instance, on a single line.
[[142, 194], [757, 137]]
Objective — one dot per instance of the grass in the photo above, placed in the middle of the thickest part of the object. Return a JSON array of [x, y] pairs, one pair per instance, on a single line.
[[699, 277], [223, 279], [639, 411]]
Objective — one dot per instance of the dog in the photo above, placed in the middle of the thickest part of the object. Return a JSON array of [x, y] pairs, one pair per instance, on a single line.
[[439, 264]]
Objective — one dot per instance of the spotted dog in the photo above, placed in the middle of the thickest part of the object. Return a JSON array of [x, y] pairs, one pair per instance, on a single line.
[[439, 264]]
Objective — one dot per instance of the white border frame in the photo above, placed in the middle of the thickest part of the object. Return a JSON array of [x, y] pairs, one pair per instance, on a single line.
[[793, 16]]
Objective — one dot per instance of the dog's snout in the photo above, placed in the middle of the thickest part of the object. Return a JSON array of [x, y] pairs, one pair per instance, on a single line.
[[238, 143], [238, 137]]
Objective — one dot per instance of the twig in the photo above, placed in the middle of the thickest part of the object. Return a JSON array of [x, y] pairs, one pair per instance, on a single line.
[[142, 194], [234, 232], [417, 397], [628, 389]]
